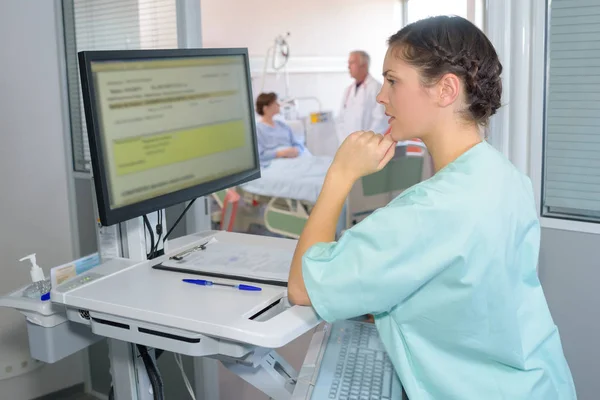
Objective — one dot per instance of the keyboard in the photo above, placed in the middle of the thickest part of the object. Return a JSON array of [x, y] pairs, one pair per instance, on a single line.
[[355, 366]]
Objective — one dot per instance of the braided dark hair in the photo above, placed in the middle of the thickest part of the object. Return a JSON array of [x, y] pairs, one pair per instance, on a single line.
[[445, 44]]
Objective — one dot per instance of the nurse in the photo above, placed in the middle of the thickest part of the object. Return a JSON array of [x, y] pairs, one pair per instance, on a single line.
[[448, 268], [359, 109]]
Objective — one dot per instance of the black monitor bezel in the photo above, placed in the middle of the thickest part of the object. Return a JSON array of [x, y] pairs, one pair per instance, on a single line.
[[110, 216]]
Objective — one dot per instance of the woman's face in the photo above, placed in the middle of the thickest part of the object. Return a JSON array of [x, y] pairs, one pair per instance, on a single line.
[[272, 109], [410, 105]]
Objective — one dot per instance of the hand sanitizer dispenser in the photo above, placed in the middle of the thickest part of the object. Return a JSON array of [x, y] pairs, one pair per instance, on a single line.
[[41, 286], [51, 335]]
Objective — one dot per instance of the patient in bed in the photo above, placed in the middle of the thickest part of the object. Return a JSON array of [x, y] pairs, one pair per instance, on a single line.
[[275, 138]]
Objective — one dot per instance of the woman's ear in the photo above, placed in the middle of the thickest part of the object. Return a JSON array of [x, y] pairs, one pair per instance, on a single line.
[[449, 87]]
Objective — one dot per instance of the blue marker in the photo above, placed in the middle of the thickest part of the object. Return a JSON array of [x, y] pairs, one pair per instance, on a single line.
[[203, 282]]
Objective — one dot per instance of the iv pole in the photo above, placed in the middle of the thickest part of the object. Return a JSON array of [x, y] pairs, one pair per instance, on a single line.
[[279, 55], [279, 50]]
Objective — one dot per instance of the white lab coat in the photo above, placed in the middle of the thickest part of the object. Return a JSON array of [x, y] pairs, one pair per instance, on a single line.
[[360, 110]]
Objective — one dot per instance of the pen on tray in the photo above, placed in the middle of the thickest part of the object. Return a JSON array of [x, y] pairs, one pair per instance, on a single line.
[[203, 282]]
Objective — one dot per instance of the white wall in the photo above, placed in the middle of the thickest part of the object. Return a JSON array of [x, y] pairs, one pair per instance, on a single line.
[[34, 204], [322, 35]]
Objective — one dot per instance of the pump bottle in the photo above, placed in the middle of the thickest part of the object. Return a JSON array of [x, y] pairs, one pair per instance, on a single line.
[[40, 288]]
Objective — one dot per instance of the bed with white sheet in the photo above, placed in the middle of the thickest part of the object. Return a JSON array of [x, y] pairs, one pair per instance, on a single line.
[[299, 178], [290, 187]]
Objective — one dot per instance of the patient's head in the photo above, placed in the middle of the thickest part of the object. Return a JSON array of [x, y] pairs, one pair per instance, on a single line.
[[437, 70], [267, 105]]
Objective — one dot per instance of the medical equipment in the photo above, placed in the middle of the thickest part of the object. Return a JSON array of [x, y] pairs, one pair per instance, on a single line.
[[165, 153], [277, 58], [292, 110], [280, 51], [346, 360], [128, 301], [321, 137], [155, 308], [166, 126]]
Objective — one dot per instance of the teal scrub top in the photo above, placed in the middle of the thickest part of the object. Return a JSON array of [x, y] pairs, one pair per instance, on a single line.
[[448, 269]]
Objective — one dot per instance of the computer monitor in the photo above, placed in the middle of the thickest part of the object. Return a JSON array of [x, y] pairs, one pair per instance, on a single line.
[[166, 126]]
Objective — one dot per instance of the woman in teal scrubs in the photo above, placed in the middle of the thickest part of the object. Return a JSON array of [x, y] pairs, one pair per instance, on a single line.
[[448, 268]]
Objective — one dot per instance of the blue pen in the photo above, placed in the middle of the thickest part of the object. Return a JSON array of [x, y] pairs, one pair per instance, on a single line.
[[204, 282]]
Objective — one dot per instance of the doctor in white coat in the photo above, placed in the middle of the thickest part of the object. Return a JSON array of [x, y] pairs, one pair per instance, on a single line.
[[360, 110]]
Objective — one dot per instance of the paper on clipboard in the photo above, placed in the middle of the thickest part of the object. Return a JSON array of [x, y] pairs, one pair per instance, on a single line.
[[241, 260]]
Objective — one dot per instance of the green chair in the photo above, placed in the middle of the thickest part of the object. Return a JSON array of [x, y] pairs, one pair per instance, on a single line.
[[286, 217], [377, 190], [401, 173]]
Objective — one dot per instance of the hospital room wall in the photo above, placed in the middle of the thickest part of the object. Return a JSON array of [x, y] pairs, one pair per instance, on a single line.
[[569, 274], [35, 194], [322, 33]]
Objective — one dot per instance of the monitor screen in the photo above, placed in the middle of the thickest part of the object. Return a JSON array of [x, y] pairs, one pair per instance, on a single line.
[[167, 126]]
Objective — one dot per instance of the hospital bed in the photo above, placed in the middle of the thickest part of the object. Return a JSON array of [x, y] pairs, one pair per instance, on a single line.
[[317, 131], [321, 136], [288, 188]]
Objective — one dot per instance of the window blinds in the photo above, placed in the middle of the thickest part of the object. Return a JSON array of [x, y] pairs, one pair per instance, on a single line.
[[110, 25], [571, 186]]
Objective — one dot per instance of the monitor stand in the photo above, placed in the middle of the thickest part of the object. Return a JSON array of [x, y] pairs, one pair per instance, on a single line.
[[263, 368], [130, 380]]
